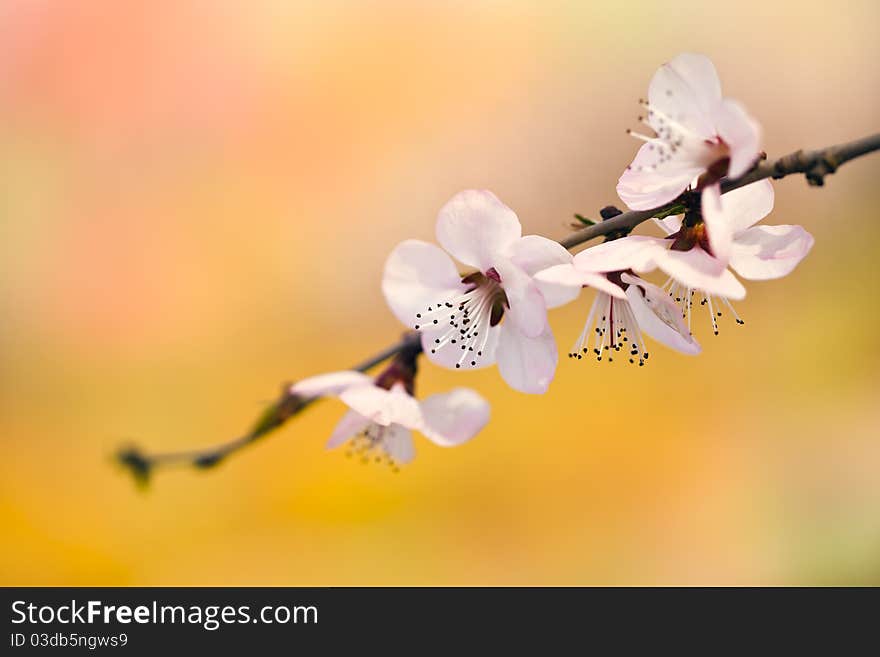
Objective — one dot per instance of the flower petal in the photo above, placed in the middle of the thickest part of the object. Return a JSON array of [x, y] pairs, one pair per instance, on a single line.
[[329, 385], [647, 183], [526, 364], [741, 133], [687, 90], [671, 224], [418, 274], [658, 316], [533, 253], [454, 417], [563, 283], [351, 424], [527, 309], [746, 206], [697, 269], [559, 284], [766, 252], [398, 444], [719, 228], [474, 225], [449, 355], [384, 407], [632, 252]]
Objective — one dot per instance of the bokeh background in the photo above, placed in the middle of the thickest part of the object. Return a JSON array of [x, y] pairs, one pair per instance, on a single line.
[[196, 200]]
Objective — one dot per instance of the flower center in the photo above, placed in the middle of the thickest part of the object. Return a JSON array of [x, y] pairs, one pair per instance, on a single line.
[[464, 321], [692, 233], [610, 327], [370, 445], [683, 296]]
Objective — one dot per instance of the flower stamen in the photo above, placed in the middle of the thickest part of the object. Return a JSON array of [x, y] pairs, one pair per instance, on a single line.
[[672, 136], [370, 445], [683, 297], [467, 318], [616, 330]]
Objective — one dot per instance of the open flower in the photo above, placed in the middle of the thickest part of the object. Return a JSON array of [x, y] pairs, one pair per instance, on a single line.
[[697, 132], [494, 315], [756, 252], [624, 307], [381, 419]]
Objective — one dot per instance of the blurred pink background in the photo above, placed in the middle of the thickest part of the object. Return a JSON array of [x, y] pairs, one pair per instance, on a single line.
[[197, 200]]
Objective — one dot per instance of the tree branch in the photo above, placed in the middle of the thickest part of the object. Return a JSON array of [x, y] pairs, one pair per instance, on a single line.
[[815, 165], [142, 465]]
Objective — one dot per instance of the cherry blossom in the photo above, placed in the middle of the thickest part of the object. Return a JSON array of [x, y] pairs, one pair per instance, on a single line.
[[697, 133], [756, 252], [381, 419], [625, 306], [496, 314]]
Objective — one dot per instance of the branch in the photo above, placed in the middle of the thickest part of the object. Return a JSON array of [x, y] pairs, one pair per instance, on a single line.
[[142, 465], [815, 165]]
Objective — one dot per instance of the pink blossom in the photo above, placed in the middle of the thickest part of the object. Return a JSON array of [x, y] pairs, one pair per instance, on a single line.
[[497, 314], [380, 421], [757, 252], [697, 132], [625, 306]]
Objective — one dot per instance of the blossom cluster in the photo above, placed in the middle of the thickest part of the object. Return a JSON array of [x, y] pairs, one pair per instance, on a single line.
[[481, 297]]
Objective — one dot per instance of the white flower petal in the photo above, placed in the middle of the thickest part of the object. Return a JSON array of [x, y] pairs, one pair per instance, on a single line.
[[687, 90], [527, 308], [646, 185], [697, 269], [632, 252], [671, 224], [398, 444], [658, 316], [384, 407], [746, 206], [533, 253], [719, 228], [741, 133], [418, 274], [474, 226], [560, 284], [448, 355], [563, 283], [454, 417], [766, 252], [601, 283], [526, 364], [351, 424], [329, 385]]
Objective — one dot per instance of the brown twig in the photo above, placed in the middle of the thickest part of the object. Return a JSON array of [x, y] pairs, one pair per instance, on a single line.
[[141, 465], [815, 165]]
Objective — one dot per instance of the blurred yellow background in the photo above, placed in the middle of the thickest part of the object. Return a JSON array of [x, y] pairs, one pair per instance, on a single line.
[[197, 200]]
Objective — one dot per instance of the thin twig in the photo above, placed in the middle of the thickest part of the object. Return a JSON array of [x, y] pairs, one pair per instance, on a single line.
[[142, 465], [815, 165]]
